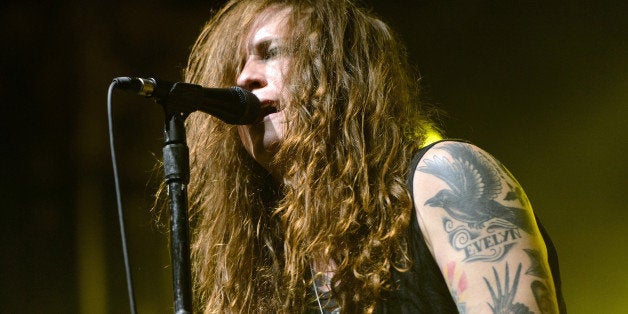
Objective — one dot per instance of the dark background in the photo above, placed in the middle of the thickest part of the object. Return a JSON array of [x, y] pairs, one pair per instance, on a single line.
[[542, 85]]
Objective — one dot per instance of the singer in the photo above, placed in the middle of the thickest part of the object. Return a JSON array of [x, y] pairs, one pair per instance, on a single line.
[[340, 197]]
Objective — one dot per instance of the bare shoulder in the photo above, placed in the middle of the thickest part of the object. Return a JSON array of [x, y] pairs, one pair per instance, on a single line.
[[477, 220]]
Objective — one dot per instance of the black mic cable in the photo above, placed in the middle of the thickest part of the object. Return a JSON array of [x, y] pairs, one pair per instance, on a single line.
[[127, 264]]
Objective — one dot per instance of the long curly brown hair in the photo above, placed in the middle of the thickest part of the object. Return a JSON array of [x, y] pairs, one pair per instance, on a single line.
[[353, 124]]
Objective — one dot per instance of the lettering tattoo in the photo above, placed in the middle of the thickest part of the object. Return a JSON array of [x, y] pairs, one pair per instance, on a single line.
[[503, 293], [490, 244], [487, 229]]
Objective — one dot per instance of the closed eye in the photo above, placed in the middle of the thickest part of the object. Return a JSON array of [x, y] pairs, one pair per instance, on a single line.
[[271, 53], [267, 50]]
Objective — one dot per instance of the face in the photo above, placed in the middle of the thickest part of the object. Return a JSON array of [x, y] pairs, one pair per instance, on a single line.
[[263, 74]]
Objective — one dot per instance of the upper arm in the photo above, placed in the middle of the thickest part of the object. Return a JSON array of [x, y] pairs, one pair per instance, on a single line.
[[481, 230]]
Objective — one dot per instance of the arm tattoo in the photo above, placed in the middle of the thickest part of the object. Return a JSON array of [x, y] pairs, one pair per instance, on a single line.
[[536, 267], [457, 283], [543, 297], [542, 294], [481, 227], [504, 296]]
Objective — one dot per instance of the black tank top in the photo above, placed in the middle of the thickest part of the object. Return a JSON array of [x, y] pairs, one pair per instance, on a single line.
[[423, 289]]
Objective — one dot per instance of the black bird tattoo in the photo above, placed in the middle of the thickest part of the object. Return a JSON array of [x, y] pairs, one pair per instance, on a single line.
[[474, 184]]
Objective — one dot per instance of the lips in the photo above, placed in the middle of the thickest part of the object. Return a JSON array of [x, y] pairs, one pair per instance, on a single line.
[[267, 108]]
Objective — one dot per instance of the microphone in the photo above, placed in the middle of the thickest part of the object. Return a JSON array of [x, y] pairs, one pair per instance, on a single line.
[[233, 105]]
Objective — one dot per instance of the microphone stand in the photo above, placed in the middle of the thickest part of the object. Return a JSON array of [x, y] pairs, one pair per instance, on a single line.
[[178, 100], [177, 176]]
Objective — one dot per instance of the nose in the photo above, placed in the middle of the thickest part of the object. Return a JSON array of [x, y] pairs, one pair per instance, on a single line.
[[252, 76]]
